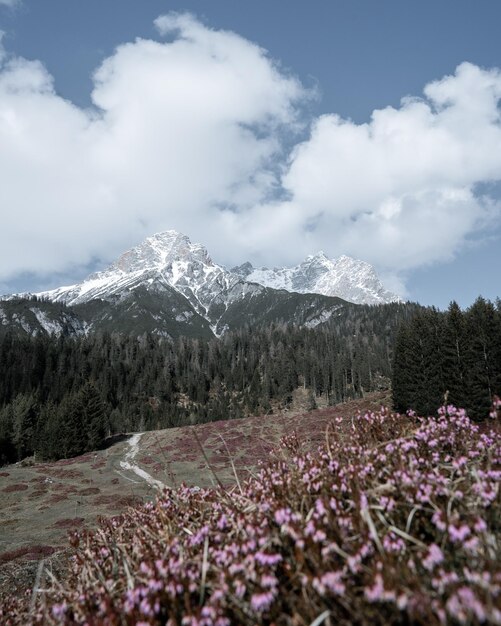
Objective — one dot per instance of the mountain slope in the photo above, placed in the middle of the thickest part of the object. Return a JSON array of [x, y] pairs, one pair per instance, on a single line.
[[33, 316], [171, 287]]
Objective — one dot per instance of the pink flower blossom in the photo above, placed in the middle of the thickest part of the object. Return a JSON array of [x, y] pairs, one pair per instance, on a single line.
[[434, 557], [261, 602]]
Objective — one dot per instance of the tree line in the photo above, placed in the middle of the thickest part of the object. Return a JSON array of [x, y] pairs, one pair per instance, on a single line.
[[452, 357], [62, 396]]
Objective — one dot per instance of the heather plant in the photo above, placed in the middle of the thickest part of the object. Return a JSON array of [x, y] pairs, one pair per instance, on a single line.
[[397, 524]]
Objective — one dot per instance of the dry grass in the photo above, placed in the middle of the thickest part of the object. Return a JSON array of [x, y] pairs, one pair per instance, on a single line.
[[36, 498]]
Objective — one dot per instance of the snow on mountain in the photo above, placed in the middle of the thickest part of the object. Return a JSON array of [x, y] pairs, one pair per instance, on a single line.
[[39, 318], [203, 294], [165, 259], [347, 278]]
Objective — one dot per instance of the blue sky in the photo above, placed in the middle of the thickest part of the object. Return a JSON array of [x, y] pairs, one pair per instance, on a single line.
[[343, 59]]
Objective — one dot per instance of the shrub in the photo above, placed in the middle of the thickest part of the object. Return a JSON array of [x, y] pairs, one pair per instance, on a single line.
[[399, 525], [27, 552], [69, 522], [89, 491], [15, 487]]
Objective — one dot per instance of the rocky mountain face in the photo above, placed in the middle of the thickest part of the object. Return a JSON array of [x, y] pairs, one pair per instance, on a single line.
[[169, 286], [34, 317], [347, 278]]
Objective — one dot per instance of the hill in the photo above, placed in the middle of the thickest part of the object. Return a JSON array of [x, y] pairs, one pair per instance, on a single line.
[[394, 519], [72, 493]]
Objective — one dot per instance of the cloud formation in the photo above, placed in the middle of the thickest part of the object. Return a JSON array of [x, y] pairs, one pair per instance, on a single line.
[[405, 182], [186, 133], [179, 129]]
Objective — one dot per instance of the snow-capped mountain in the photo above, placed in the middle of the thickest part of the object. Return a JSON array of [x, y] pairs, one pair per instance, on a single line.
[[165, 259], [169, 286], [169, 258], [347, 278]]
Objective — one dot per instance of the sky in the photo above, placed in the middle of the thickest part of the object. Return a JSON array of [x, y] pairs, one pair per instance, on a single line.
[[265, 130]]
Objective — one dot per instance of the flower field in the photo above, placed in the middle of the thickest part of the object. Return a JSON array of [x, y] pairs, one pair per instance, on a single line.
[[398, 524]]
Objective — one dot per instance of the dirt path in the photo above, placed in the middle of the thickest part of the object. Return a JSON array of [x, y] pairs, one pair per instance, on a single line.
[[129, 465]]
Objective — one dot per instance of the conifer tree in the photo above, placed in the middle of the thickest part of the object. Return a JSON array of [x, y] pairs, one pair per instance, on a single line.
[[7, 447], [483, 356], [70, 418], [454, 354], [430, 327], [48, 444], [24, 414], [93, 413]]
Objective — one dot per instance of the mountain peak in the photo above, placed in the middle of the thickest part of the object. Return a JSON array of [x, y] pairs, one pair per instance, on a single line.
[[166, 239], [157, 252], [168, 260], [344, 277], [243, 270], [163, 260], [318, 255], [349, 260]]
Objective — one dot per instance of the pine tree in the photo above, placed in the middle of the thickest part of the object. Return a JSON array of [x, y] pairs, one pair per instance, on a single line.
[[454, 354], [93, 413], [406, 370], [48, 444], [70, 417], [7, 447], [483, 356], [24, 413], [432, 330]]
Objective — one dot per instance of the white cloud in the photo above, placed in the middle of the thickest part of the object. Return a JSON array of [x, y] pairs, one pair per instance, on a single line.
[[179, 129], [186, 134], [10, 3], [399, 191]]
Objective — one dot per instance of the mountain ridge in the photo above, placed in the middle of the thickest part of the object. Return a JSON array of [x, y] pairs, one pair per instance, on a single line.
[[344, 277], [189, 268], [168, 285]]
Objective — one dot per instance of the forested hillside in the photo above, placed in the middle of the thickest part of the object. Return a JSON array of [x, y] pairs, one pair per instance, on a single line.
[[453, 357], [61, 396]]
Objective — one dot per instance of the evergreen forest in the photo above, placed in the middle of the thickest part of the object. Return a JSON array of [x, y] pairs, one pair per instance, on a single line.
[[62, 396], [451, 357]]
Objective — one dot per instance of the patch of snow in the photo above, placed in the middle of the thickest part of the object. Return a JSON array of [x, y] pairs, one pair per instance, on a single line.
[[23, 323], [52, 327], [184, 317], [320, 319]]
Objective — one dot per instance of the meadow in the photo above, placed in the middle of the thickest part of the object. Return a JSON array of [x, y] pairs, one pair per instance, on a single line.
[[380, 518], [43, 501]]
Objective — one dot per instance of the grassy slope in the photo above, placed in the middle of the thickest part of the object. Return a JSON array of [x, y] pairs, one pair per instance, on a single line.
[[42, 502], [394, 520]]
